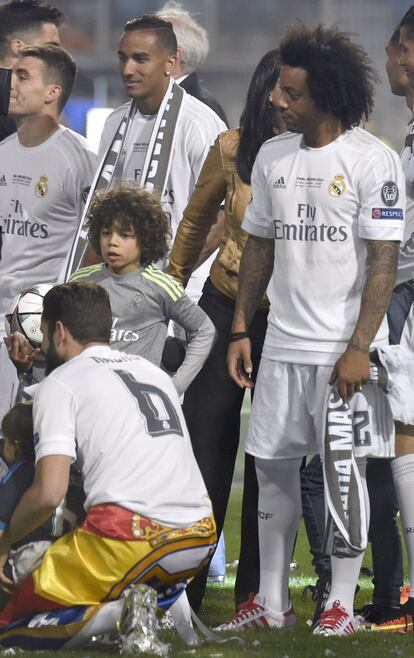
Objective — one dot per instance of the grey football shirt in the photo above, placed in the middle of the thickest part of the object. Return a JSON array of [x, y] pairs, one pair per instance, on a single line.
[[142, 303]]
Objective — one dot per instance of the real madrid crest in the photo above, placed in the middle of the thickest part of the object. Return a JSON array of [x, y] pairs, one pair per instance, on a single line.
[[41, 187], [337, 186]]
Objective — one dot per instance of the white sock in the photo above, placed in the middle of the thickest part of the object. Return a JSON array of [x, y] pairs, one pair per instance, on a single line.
[[279, 514], [345, 571], [403, 473], [181, 614]]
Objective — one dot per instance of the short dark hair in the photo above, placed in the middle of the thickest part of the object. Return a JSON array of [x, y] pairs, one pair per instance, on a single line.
[[83, 308], [407, 21], [395, 38], [340, 75], [60, 65], [257, 119], [131, 207], [22, 16], [17, 426], [163, 29]]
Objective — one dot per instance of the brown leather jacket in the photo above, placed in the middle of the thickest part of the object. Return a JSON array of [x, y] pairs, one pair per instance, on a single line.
[[218, 180]]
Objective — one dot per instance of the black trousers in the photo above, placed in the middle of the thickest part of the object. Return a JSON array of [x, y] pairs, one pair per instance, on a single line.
[[384, 533], [212, 406]]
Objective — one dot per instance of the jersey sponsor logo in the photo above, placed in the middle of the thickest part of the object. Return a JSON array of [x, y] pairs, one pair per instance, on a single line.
[[3, 180], [17, 223], [41, 187], [337, 186], [279, 183], [389, 193], [24, 228], [309, 181], [36, 439], [387, 213], [307, 229], [123, 335]]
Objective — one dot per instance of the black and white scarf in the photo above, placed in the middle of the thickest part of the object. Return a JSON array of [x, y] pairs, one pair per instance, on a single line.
[[155, 171], [360, 428]]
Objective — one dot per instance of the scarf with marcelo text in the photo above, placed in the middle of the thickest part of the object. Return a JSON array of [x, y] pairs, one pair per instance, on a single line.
[[362, 427]]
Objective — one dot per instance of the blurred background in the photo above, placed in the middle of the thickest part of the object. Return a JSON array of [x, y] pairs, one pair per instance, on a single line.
[[240, 32]]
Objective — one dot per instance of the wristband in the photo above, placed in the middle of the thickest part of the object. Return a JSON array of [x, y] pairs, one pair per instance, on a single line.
[[238, 335]]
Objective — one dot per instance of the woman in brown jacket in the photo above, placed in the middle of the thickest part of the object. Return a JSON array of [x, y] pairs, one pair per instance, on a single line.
[[212, 403]]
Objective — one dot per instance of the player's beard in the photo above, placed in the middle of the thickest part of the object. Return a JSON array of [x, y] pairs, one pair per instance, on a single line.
[[52, 358]]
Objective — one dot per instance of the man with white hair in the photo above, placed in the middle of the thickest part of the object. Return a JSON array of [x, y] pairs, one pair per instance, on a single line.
[[193, 48]]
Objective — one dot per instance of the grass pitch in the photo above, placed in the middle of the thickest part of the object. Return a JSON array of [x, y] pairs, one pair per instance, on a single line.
[[295, 643]]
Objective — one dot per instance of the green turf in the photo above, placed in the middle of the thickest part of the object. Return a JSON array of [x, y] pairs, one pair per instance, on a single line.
[[296, 643]]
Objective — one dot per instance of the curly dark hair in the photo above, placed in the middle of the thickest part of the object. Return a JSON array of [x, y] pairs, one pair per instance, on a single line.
[[340, 75], [131, 208]]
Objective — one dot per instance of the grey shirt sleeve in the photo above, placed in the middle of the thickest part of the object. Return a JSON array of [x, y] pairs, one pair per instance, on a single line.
[[200, 336]]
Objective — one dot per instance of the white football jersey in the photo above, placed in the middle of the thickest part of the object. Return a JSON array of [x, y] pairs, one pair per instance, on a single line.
[[42, 191], [320, 205], [120, 418]]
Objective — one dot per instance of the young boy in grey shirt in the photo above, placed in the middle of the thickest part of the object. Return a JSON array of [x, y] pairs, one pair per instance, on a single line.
[[128, 228]]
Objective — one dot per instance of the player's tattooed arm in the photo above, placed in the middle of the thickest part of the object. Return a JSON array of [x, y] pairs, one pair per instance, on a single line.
[[382, 259], [256, 268], [352, 367]]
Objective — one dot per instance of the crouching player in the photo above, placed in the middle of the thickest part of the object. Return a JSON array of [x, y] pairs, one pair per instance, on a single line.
[[148, 517]]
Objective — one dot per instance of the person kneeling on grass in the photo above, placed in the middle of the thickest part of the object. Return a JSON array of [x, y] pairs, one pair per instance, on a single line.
[[149, 518], [129, 229]]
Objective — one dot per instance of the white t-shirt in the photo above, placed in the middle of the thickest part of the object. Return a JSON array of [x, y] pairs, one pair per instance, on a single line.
[[319, 205], [197, 129], [42, 190], [406, 256], [120, 417], [136, 146]]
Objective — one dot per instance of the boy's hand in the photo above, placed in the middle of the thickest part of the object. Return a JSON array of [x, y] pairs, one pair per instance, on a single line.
[[21, 353]]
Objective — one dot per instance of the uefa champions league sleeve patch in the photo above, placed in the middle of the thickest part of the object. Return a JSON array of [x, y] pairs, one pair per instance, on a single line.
[[389, 193]]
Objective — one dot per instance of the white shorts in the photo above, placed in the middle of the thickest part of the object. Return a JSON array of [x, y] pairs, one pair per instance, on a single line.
[[288, 408]]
